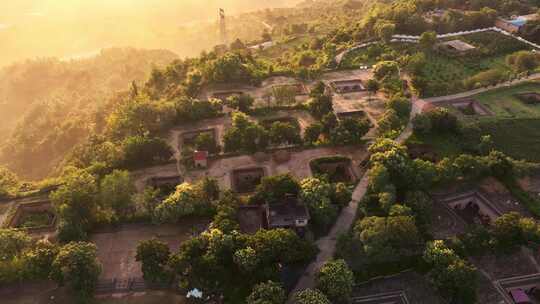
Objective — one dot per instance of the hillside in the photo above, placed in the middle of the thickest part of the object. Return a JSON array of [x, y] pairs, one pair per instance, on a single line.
[[48, 105]]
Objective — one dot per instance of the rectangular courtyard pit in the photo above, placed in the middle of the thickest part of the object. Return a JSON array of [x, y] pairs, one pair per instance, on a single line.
[[246, 180], [117, 247]]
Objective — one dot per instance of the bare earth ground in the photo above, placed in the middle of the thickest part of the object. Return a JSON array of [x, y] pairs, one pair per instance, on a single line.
[[416, 287], [494, 191], [303, 117], [49, 294], [505, 265], [117, 249], [445, 223], [260, 93], [141, 177]]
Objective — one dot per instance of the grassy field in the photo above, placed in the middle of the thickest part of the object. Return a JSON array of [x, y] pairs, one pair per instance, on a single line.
[[505, 104], [514, 127], [444, 74], [518, 138], [281, 47], [445, 145]]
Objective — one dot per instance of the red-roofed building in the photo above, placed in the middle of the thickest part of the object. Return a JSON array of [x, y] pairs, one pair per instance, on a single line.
[[200, 158]]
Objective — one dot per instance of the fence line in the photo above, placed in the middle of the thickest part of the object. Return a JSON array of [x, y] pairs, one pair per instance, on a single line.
[[416, 38]]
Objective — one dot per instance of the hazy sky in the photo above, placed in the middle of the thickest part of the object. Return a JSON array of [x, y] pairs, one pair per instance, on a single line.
[[31, 28]]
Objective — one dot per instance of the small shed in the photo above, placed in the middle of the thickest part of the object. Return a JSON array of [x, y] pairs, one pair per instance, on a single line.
[[456, 46]]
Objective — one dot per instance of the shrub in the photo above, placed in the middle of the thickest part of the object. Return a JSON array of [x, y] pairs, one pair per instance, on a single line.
[[336, 281], [154, 256]]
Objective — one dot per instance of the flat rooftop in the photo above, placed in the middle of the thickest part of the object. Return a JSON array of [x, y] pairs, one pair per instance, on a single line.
[[458, 45]]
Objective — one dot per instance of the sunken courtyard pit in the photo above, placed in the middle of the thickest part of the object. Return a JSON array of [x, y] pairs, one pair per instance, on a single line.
[[246, 180], [34, 217], [337, 169]]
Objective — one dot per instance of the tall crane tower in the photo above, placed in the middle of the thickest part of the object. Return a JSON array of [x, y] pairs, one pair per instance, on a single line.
[[222, 27]]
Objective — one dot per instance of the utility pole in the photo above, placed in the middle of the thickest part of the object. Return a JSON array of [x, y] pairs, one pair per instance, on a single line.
[[222, 27]]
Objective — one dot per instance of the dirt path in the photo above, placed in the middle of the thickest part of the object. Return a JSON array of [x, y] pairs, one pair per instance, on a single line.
[[482, 90]]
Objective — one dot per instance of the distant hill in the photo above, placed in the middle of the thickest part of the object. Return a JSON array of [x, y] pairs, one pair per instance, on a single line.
[[46, 105]]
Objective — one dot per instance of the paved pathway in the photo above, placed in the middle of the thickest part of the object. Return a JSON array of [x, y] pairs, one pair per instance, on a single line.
[[481, 90], [327, 244]]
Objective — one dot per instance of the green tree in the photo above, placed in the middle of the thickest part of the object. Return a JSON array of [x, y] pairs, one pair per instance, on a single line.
[[421, 204], [507, 230], [242, 102], [116, 192], [9, 183], [400, 104], [387, 238], [247, 259], [227, 68], [316, 193], [486, 145], [394, 157], [284, 133], [385, 69], [320, 105], [372, 86], [454, 278], [350, 131], [245, 135], [267, 293], [148, 199], [329, 122], [425, 174], [188, 199], [12, 242], [140, 151], [206, 142], [226, 219], [442, 120], [427, 40], [274, 189], [154, 256], [280, 246], [384, 29], [75, 204], [318, 90], [38, 259], [523, 61], [313, 133], [336, 281], [499, 164], [341, 194], [310, 296], [139, 116], [422, 124], [190, 109], [76, 266]]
